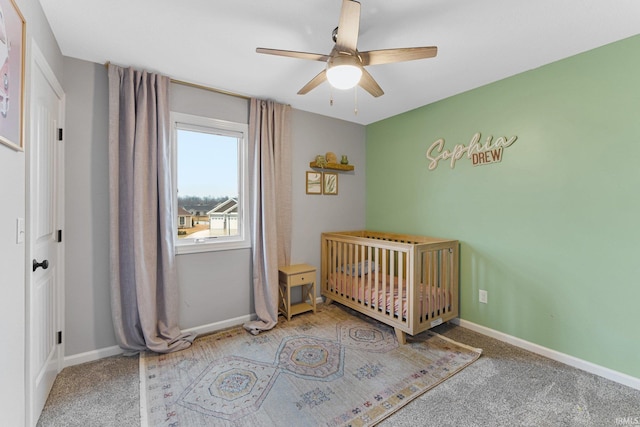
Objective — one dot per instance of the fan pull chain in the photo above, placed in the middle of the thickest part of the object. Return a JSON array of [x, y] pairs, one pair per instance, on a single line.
[[355, 100], [331, 96]]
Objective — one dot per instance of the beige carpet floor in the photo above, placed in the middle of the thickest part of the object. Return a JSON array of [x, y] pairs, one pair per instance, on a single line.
[[507, 386]]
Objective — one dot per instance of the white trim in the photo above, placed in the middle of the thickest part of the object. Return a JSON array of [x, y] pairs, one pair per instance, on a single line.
[[91, 356], [224, 324], [194, 247], [115, 350], [592, 368]]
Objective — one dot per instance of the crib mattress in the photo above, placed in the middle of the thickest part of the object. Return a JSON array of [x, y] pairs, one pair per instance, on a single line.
[[363, 290]]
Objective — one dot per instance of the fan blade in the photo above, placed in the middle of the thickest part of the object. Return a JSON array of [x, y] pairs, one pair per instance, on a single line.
[[294, 54], [315, 82], [386, 56], [348, 26], [368, 83]]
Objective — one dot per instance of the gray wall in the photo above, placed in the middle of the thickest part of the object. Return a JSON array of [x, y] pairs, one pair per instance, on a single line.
[[205, 277], [215, 287], [312, 214], [87, 305]]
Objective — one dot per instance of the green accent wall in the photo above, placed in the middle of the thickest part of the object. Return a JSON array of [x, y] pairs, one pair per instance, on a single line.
[[552, 232]]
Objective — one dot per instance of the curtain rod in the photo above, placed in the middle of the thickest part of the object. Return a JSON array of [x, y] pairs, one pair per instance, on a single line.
[[198, 86], [209, 88]]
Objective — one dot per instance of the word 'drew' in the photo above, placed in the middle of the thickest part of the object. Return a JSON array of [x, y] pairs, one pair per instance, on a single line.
[[479, 154]]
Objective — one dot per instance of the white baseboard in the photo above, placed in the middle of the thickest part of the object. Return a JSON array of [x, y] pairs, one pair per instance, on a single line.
[[90, 356], [592, 368], [217, 326]]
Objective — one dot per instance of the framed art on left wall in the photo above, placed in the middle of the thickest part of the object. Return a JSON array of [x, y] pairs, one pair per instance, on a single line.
[[12, 47]]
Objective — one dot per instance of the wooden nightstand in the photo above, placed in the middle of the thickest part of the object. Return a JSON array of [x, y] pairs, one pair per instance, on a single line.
[[297, 275]]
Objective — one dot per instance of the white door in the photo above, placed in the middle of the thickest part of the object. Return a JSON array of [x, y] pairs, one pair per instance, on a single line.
[[44, 211]]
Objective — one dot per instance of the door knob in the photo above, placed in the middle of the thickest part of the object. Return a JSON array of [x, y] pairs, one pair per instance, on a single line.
[[44, 264]]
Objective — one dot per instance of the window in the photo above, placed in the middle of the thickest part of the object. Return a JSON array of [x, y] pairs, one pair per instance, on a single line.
[[211, 184]]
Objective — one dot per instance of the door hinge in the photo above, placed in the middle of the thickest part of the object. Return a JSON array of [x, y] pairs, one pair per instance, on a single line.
[[59, 236], [59, 134], [59, 337]]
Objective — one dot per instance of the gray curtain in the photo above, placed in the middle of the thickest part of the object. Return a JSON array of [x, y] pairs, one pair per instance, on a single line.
[[144, 289], [270, 166]]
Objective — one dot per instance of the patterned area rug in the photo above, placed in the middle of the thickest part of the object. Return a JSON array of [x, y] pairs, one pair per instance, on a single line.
[[332, 368]]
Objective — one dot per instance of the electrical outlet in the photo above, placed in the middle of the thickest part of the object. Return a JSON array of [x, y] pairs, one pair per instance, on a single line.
[[482, 297]]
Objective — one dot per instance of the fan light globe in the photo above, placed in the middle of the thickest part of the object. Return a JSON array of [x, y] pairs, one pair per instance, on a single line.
[[343, 72], [344, 76]]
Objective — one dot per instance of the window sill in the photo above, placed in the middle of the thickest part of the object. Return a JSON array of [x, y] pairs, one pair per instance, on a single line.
[[192, 248]]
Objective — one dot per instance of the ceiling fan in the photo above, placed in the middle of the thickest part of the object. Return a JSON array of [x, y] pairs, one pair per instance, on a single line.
[[345, 64]]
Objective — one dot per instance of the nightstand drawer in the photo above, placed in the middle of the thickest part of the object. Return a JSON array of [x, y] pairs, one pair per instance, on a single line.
[[302, 278]]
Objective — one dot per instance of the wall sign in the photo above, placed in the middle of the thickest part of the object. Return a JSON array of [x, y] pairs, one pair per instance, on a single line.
[[479, 154]]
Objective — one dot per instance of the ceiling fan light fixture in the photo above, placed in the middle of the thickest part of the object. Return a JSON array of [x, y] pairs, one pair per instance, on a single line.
[[343, 72], [346, 64]]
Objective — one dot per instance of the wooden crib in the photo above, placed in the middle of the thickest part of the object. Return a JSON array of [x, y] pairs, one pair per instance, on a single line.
[[407, 282]]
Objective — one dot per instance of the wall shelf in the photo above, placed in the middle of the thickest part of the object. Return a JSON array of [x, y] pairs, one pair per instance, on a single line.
[[334, 166]]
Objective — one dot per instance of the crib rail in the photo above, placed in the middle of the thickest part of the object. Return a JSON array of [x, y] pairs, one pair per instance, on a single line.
[[408, 282]]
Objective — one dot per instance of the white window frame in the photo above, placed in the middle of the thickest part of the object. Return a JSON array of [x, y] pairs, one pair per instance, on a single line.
[[191, 122]]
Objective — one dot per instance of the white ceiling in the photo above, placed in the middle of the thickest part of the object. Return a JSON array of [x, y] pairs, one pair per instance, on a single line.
[[213, 42]]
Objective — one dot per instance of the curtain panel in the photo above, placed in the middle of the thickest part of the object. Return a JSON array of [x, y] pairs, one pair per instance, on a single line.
[[270, 169], [144, 288]]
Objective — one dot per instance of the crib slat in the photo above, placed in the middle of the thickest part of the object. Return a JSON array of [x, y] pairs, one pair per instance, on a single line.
[[444, 280], [372, 302], [385, 258], [334, 264], [346, 268], [422, 292], [362, 276], [354, 274], [434, 288], [357, 274], [342, 284], [366, 299], [390, 303], [449, 293], [423, 286], [377, 279], [343, 267], [401, 285], [432, 281]]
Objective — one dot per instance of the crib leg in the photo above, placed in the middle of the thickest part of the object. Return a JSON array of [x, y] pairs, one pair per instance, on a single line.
[[327, 300], [401, 335]]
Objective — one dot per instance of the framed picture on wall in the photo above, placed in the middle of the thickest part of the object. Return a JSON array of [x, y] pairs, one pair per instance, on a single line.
[[330, 183], [12, 46], [314, 182]]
